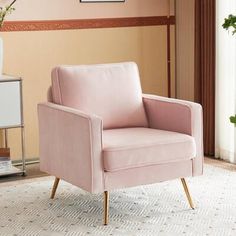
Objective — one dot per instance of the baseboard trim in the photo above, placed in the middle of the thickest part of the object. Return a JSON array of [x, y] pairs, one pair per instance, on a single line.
[[28, 161]]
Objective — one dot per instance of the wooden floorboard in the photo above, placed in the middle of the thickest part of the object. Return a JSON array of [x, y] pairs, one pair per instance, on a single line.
[[32, 171]]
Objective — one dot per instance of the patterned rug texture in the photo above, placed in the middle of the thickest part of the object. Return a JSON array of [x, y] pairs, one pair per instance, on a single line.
[[153, 210]]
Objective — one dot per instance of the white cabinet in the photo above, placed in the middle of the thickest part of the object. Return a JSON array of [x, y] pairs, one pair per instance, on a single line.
[[11, 113]]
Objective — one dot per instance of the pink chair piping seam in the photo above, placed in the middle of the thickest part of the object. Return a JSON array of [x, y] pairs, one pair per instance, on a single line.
[[52, 107], [59, 86], [140, 165], [135, 148], [91, 153], [103, 174]]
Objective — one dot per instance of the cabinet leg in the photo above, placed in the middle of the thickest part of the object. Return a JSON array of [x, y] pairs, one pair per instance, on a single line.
[[23, 148]]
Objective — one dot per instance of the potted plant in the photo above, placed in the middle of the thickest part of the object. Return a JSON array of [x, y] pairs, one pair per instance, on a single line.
[[230, 24], [4, 11]]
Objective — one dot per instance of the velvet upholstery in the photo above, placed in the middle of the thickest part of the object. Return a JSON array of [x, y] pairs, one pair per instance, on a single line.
[[178, 116], [123, 138], [136, 147], [71, 145], [111, 91], [147, 174]]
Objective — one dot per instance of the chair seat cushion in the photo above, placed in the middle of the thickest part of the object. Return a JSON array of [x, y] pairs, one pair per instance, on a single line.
[[136, 147]]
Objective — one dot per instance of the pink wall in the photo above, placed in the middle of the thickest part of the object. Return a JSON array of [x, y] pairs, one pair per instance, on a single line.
[[73, 9]]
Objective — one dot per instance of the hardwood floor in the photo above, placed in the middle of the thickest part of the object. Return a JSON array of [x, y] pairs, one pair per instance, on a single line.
[[32, 171], [220, 163]]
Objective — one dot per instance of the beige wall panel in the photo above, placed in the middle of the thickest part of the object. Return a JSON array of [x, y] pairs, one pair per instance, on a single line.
[[172, 59], [154, 60], [32, 55], [73, 9], [185, 48], [172, 7], [1, 138]]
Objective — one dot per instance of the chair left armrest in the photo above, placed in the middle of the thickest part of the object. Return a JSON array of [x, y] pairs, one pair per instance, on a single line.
[[177, 116]]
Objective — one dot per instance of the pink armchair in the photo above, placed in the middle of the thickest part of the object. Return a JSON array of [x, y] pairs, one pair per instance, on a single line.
[[100, 133]]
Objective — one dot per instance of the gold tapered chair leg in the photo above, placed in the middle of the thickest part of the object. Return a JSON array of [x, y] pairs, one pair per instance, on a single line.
[[106, 207], [187, 193], [54, 188]]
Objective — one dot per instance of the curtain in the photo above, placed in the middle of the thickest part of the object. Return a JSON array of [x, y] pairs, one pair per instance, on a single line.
[[204, 85], [225, 145]]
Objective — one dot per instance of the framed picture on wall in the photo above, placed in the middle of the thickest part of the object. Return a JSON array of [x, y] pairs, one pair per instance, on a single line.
[[102, 0]]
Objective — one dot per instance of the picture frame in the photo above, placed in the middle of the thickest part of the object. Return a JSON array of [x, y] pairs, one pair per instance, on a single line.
[[102, 1]]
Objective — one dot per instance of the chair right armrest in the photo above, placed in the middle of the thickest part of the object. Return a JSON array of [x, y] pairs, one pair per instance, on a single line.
[[177, 116], [71, 146]]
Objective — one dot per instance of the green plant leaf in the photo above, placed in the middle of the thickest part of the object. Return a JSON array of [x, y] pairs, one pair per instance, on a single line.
[[230, 22], [233, 119]]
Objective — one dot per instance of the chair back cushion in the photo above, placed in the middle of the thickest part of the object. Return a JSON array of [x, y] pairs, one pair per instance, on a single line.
[[111, 91]]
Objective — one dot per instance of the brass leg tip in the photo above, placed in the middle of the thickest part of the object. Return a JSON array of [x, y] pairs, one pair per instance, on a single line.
[[54, 188], [187, 193], [106, 208]]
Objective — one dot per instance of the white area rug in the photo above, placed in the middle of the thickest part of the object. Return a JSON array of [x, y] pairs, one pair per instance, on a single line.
[[160, 209]]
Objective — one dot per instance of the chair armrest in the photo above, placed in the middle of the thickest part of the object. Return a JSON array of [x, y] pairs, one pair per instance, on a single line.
[[70, 146], [177, 116]]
